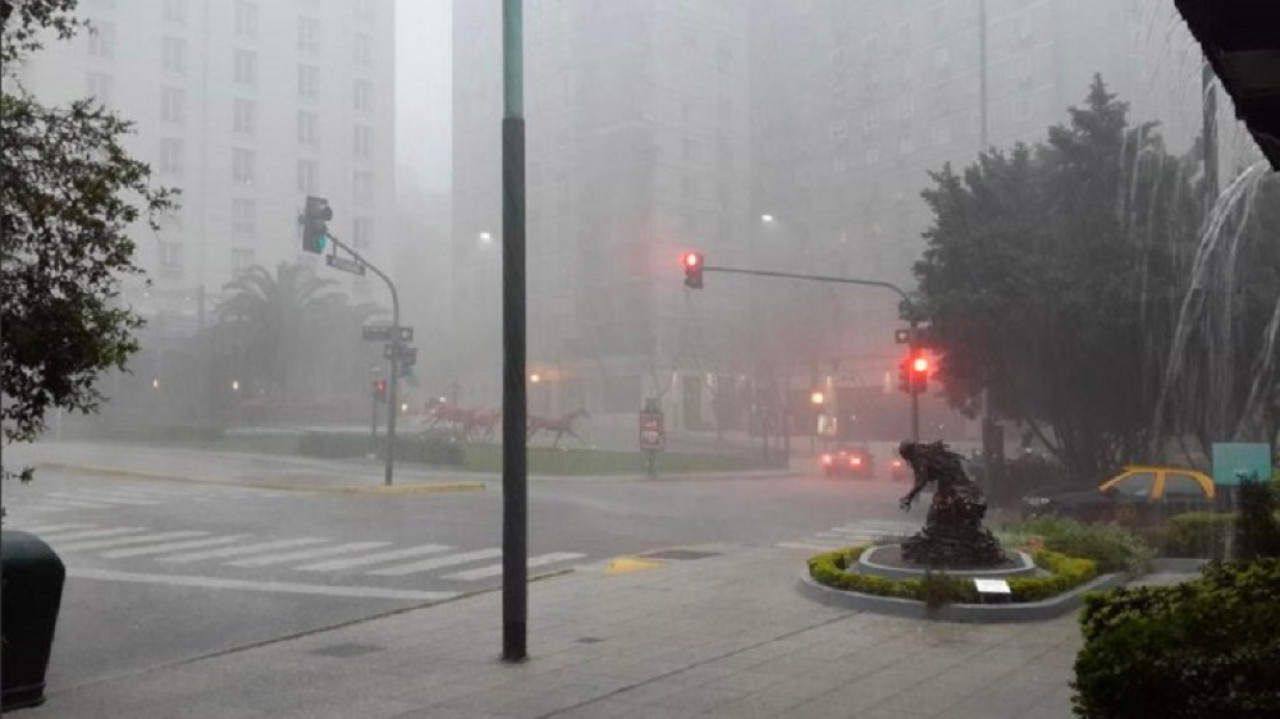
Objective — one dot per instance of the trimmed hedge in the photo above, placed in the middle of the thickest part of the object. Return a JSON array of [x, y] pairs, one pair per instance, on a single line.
[[1194, 534], [831, 569], [1205, 648], [417, 448], [1114, 548]]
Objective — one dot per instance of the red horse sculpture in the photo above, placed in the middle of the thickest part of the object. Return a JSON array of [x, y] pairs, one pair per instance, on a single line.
[[559, 426]]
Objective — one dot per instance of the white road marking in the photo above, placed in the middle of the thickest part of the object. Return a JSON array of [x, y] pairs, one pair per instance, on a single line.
[[91, 534], [126, 541], [251, 586], [173, 546], [306, 554], [496, 569], [241, 551], [336, 564], [89, 495], [50, 528], [805, 545], [78, 504], [427, 565]]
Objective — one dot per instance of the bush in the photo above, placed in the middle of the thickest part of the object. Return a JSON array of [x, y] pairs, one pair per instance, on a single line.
[[1206, 648], [1113, 547], [831, 569], [1203, 535], [1257, 531], [421, 448]]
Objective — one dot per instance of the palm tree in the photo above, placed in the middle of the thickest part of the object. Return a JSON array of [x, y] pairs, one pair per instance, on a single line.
[[273, 318]]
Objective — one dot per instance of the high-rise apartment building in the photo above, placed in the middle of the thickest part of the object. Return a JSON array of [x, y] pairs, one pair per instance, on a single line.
[[637, 149], [247, 107]]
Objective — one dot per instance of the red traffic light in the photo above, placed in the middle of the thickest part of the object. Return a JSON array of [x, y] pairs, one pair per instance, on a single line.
[[380, 389], [692, 262], [920, 364]]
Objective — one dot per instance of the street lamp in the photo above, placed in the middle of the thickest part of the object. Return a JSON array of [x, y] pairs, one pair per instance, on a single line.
[[486, 238], [766, 218], [235, 385], [535, 378]]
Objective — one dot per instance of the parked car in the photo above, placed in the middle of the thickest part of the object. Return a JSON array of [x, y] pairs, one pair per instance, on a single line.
[[850, 460], [1141, 494]]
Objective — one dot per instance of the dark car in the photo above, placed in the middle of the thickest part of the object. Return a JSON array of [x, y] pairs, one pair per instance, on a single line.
[[851, 460], [1138, 495]]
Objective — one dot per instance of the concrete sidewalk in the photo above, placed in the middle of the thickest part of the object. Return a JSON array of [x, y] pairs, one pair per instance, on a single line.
[[724, 634]]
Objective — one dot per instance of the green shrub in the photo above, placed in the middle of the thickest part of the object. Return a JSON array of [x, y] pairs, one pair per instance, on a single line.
[[421, 448], [831, 569], [1114, 548], [1257, 531], [1206, 648], [1194, 534]]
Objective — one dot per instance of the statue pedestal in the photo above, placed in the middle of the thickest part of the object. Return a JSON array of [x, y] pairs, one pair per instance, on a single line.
[[887, 561]]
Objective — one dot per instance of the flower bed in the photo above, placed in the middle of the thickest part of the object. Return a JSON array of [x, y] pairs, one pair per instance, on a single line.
[[831, 569]]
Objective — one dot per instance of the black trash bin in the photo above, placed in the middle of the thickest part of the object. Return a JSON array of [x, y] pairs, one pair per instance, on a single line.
[[31, 578]]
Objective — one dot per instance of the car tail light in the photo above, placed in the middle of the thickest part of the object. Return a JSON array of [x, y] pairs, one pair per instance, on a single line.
[[826, 459], [897, 464], [855, 461]]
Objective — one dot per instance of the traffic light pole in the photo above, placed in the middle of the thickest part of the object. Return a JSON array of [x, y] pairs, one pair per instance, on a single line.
[[915, 391], [393, 379]]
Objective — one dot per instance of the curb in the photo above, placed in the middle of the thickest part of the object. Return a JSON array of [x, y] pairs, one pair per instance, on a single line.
[[439, 487], [966, 613]]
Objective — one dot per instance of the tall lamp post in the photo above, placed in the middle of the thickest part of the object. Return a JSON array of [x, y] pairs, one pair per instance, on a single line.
[[515, 400]]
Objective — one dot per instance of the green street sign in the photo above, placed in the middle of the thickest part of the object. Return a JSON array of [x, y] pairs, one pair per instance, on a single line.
[[1237, 461]]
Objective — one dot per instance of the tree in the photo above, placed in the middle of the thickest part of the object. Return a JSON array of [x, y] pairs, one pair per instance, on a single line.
[[290, 330], [70, 194], [1052, 275]]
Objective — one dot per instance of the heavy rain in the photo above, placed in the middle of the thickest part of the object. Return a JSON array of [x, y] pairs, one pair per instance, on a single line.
[[593, 358]]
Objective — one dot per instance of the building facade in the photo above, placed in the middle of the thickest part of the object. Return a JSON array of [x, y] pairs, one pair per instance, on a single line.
[[246, 107]]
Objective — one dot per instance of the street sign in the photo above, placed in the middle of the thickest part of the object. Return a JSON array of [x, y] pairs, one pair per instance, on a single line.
[[382, 333], [342, 263]]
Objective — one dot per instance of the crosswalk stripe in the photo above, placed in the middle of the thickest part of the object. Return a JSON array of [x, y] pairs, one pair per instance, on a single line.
[[92, 534], [91, 496], [253, 586], [50, 528], [427, 565], [79, 504], [336, 564], [306, 554], [126, 541], [496, 569], [241, 551], [807, 545], [173, 546]]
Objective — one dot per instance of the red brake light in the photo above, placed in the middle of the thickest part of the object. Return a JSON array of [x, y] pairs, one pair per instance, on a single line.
[[855, 460], [826, 459]]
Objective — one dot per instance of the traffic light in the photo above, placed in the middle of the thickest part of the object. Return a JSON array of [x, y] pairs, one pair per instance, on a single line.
[[693, 270], [315, 231], [408, 358], [920, 373], [380, 390], [904, 374]]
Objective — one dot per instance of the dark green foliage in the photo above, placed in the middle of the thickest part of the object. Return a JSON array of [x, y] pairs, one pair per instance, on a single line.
[[1194, 534], [1114, 548], [419, 448], [1257, 531], [70, 197], [1065, 573], [1206, 648]]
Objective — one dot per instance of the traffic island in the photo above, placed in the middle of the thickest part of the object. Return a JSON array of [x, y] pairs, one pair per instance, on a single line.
[[1034, 587]]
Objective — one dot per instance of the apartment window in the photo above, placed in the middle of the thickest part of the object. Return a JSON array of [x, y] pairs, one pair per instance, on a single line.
[[244, 217], [173, 105], [241, 259], [307, 122], [246, 18], [941, 135], [100, 87], [171, 257], [362, 231], [362, 186], [102, 39], [362, 141], [363, 95], [175, 11], [174, 55], [242, 166], [171, 151], [362, 54], [307, 173], [906, 144], [308, 35], [308, 81], [246, 67], [873, 155], [243, 116]]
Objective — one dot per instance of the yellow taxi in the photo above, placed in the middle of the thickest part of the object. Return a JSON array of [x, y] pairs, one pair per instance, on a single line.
[[1137, 495]]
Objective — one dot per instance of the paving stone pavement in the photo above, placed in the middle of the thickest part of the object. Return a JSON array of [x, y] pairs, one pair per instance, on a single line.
[[722, 636]]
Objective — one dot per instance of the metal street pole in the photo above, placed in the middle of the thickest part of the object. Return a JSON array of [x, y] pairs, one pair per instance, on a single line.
[[393, 379], [915, 391], [515, 569]]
